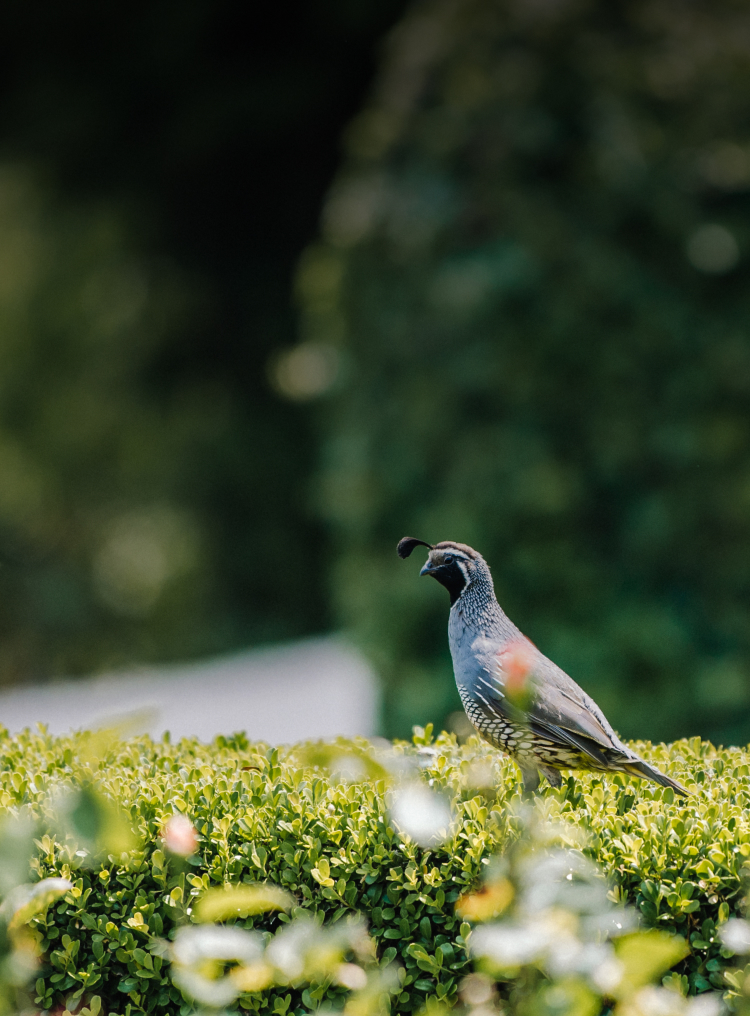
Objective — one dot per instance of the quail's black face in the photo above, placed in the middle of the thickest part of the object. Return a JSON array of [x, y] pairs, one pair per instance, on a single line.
[[452, 566]]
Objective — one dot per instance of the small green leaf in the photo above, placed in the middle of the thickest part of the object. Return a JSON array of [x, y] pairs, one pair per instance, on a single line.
[[241, 901], [646, 955]]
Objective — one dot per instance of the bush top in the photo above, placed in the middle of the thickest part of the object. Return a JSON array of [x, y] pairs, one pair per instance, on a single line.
[[315, 820]]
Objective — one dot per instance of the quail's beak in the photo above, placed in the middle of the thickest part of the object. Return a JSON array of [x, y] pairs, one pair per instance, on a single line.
[[428, 569]]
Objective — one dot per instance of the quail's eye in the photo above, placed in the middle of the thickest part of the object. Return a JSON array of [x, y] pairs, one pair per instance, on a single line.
[[449, 558]]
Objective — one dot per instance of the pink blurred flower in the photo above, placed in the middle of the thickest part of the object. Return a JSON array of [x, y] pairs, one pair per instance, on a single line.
[[179, 836], [516, 663]]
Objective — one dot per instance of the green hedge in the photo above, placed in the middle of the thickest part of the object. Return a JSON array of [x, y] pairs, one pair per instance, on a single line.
[[273, 815]]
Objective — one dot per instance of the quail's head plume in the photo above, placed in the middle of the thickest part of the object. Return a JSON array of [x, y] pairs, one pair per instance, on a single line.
[[514, 696]]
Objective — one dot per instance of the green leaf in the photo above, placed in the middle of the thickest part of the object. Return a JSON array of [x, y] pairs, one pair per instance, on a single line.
[[645, 956], [241, 901], [28, 901], [567, 997]]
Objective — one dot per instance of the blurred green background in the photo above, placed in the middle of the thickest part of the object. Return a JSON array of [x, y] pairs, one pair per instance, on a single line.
[[522, 323], [162, 165]]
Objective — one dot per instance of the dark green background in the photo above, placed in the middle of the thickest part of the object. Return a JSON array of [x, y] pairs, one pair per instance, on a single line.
[[542, 230], [162, 165], [532, 271]]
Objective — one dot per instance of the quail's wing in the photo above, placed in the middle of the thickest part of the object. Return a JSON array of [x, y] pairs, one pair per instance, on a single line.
[[560, 711]]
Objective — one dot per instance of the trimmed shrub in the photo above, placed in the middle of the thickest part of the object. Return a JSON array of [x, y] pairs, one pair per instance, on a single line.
[[282, 816]]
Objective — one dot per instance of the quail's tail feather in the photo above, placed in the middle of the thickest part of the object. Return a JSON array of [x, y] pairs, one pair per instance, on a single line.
[[642, 768]]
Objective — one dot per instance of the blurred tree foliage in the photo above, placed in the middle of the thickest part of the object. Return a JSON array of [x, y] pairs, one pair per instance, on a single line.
[[162, 165], [533, 266]]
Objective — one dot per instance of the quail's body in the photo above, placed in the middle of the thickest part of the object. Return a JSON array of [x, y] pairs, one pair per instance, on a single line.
[[559, 725]]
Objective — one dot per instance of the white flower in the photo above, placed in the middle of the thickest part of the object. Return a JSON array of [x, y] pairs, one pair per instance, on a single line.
[[422, 814], [349, 975], [287, 950], [194, 947], [735, 935], [510, 945]]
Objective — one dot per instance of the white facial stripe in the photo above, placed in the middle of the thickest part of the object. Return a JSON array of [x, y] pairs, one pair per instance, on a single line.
[[459, 554], [463, 569]]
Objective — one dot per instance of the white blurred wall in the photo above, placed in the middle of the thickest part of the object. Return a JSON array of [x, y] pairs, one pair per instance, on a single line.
[[315, 688]]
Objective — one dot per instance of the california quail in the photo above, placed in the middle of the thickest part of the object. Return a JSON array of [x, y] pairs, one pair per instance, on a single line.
[[515, 697]]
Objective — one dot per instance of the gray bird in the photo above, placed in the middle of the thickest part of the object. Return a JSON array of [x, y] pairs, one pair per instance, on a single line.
[[516, 698]]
